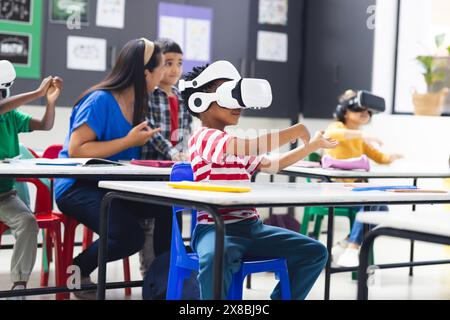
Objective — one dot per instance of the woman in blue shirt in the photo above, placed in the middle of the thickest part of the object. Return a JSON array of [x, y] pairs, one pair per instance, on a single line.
[[108, 121]]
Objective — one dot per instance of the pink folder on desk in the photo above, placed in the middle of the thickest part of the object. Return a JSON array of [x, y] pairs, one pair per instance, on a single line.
[[307, 164], [154, 163]]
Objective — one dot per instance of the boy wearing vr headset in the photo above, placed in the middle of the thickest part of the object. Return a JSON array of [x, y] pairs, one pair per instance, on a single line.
[[216, 94], [13, 212], [354, 110]]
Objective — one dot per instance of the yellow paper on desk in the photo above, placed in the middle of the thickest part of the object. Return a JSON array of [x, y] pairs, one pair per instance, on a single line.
[[207, 187]]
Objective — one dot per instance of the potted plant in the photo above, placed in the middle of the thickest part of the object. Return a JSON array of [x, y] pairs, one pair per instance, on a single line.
[[435, 66]]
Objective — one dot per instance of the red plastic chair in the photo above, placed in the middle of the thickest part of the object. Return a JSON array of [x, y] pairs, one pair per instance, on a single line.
[[70, 225]]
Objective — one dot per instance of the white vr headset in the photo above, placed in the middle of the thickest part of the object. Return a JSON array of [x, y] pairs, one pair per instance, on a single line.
[[7, 77], [237, 93]]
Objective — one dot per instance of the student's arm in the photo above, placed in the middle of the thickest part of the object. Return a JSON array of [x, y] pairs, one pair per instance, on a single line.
[[16, 101], [47, 121], [342, 134], [83, 142], [272, 166], [378, 156], [269, 142]]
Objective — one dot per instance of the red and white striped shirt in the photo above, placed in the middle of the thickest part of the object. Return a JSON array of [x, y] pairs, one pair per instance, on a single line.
[[210, 162]]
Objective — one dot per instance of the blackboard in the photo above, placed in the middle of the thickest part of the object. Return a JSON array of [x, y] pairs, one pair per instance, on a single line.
[[20, 36], [16, 10]]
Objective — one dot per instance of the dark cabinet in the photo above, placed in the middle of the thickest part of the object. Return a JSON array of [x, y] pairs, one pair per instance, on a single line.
[[338, 51]]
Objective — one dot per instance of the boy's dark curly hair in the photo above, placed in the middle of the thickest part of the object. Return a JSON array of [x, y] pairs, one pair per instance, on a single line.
[[208, 87]]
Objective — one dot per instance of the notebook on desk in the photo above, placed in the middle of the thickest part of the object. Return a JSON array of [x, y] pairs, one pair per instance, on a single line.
[[84, 162]]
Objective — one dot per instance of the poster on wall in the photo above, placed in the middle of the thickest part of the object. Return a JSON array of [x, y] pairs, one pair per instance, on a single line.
[[273, 12], [111, 13], [272, 46], [84, 53], [189, 26], [16, 10], [20, 36], [172, 28], [15, 48], [61, 11]]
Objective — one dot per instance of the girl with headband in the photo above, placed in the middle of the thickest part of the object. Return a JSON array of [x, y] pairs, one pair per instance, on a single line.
[[108, 121]]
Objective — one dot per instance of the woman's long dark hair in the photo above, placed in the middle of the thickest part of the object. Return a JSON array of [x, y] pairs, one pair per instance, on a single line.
[[129, 70]]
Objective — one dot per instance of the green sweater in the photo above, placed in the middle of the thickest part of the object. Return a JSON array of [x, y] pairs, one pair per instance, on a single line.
[[11, 124]]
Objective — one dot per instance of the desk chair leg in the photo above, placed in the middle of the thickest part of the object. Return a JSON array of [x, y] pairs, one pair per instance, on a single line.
[[411, 251], [411, 258], [249, 281], [329, 247], [364, 254]]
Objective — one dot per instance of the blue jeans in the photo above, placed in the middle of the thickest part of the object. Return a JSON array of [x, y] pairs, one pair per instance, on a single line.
[[305, 257], [125, 235], [356, 235]]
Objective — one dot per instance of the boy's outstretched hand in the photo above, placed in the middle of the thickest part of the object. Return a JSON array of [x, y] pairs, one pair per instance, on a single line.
[[54, 90], [303, 134], [320, 141]]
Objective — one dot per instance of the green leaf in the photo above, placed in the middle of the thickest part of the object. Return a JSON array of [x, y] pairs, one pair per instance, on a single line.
[[448, 49], [439, 40], [426, 61]]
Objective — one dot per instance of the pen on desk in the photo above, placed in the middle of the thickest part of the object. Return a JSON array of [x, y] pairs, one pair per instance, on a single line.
[[417, 191], [384, 188]]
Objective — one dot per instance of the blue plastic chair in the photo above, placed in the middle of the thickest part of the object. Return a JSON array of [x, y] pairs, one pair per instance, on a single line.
[[183, 263]]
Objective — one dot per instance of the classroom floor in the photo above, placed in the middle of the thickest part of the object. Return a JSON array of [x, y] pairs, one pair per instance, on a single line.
[[431, 282]]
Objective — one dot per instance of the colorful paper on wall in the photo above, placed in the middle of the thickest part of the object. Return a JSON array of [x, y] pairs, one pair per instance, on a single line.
[[273, 12], [85, 53], [272, 46], [189, 26], [111, 13]]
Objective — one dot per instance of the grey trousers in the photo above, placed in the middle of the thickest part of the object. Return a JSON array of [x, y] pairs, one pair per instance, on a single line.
[[19, 218], [147, 253]]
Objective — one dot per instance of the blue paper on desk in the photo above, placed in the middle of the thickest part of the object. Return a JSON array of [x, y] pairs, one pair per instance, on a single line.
[[384, 188]]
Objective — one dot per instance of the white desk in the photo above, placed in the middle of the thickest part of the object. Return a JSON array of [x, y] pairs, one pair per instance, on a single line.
[[401, 169], [29, 170], [417, 225], [262, 195], [394, 171], [125, 172]]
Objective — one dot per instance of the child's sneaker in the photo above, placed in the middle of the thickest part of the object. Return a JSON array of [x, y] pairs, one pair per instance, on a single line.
[[19, 287], [350, 258], [338, 249]]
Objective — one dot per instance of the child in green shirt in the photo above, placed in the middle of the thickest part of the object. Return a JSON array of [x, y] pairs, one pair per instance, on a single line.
[[13, 212]]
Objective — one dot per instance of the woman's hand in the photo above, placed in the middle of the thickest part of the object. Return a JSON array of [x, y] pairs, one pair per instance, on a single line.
[[320, 141], [140, 134]]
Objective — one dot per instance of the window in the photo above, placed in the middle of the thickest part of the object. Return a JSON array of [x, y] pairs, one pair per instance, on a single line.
[[420, 22]]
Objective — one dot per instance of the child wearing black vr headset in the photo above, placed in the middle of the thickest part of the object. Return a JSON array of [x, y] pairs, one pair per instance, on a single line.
[[216, 94], [354, 110], [13, 211]]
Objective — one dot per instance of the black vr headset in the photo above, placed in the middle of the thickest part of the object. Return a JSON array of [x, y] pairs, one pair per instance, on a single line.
[[363, 101]]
